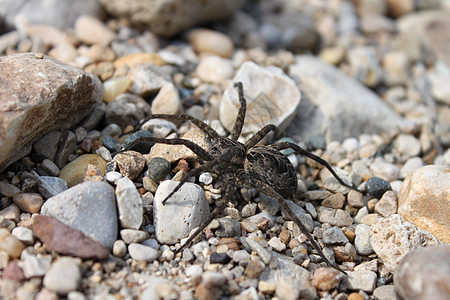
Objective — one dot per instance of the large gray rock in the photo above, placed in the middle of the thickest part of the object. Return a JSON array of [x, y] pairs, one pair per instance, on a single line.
[[169, 17], [337, 106], [424, 274], [89, 207], [39, 95]]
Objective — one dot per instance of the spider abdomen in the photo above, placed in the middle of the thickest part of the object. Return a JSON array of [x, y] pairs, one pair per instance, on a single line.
[[273, 168]]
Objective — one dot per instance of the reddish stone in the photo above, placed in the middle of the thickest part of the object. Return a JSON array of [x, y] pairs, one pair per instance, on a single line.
[[65, 240], [13, 272]]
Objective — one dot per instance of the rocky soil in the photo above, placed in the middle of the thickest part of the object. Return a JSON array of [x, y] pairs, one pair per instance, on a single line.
[[363, 84]]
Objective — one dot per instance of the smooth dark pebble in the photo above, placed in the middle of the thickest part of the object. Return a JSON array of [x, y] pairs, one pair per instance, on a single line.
[[228, 228], [110, 143], [219, 258], [158, 168], [142, 146], [50, 186], [376, 187]]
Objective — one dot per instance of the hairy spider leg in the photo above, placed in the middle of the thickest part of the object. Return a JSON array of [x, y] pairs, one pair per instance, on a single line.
[[240, 119], [297, 148], [208, 130], [266, 189], [257, 137], [221, 204], [202, 153]]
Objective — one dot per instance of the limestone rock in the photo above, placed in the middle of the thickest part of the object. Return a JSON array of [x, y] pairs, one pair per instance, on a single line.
[[39, 95], [169, 17], [424, 200], [393, 237], [331, 99], [272, 98]]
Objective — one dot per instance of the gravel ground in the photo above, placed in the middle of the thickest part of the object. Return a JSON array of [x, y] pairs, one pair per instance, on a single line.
[[362, 84]]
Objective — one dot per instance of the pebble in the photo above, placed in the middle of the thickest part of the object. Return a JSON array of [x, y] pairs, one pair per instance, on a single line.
[[10, 244], [147, 79], [214, 69], [142, 253], [269, 204], [334, 235], [35, 265], [361, 280], [130, 236], [158, 168], [13, 272], [325, 279], [276, 244], [370, 219], [68, 147], [355, 199], [280, 101], [88, 207], [110, 143], [24, 235], [334, 217], [142, 146], [424, 274], [114, 87], [424, 200], [376, 187], [209, 41], [104, 153], [345, 253], [119, 248], [47, 145], [129, 204], [11, 213], [131, 163], [410, 166], [219, 258], [407, 144], [385, 170], [28, 202], [64, 276], [385, 292], [159, 127], [192, 209], [334, 201], [387, 205], [51, 186], [393, 237], [8, 190], [50, 167], [123, 110], [167, 101], [262, 252], [228, 228], [362, 240], [65, 240], [91, 31], [193, 270], [73, 173]]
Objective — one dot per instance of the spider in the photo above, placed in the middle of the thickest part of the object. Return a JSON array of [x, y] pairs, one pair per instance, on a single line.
[[262, 167]]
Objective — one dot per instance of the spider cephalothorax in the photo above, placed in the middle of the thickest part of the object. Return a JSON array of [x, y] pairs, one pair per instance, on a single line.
[[262, 167]]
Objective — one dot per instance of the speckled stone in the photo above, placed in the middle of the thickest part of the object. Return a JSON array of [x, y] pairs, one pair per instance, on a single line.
[[158, 168], [377, 187]]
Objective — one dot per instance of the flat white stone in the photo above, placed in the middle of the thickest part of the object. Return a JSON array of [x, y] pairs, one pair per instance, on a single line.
[[142, 252], [181, 213]]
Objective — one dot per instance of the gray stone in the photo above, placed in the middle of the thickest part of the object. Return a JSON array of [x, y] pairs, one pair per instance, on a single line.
[[376, 187], [262, 252], [385, 170], [387, 205], [168, 18], [39, 87], [158, 168], [127, 109], [407, 144], [362, 240], [228, 228], [361, 280], [129, 204], [334, 235], [89, 207], [64, 275], [181, 213], [364, 65], [327, 90], [301, 214], [130, 236], [48, 166], [51, 186], [142, 252], [334, 217], [385, 292], [68, 147], [424, 274], [48, 144], [410, 166], [393, 237], [148, 78], [272, 98]]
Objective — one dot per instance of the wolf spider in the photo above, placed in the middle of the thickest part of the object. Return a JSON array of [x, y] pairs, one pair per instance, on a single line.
[[262, 167]]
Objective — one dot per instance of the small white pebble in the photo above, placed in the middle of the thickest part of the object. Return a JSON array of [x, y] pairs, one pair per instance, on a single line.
[[205, 178], [104, 153]]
